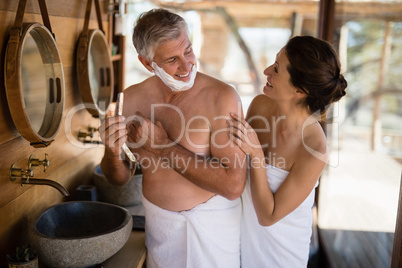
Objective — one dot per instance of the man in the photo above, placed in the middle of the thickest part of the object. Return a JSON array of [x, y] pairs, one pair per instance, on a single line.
[[192, 175]]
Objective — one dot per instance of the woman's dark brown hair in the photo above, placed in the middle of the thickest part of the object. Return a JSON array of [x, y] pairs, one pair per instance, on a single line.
[[314, 68]]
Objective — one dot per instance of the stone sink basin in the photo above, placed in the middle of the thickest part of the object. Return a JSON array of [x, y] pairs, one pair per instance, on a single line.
[[80, 234]]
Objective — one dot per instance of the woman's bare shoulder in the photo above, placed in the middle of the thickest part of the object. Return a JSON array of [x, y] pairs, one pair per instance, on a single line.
[[261, 105], [314, 138]]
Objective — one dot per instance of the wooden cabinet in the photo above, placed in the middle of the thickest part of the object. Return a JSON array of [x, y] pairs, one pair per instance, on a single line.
[[117, 44], [119, 64]]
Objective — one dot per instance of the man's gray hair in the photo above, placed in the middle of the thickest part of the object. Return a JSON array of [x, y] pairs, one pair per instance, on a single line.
[[155, 27]]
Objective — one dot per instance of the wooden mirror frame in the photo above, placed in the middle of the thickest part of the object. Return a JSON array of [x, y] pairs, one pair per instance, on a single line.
[[103, 65], [54, 80], [104, 61]]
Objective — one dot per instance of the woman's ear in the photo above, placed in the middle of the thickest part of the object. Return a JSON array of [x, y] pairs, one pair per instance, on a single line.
[[147, 64], [300, 93]]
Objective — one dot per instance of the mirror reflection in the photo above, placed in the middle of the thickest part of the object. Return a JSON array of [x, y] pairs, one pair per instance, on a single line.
[[99, 71], [33, 76]]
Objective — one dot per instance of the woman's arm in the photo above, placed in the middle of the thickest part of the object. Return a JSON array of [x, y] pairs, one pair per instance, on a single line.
[[301, 180], [271, 208]]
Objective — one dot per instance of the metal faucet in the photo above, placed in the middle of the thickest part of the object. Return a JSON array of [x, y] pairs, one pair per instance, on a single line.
[[87, 137], [27, 174], [54, 184], [35, 162]]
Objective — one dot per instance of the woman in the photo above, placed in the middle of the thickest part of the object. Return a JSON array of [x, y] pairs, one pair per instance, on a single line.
[[287, 152]]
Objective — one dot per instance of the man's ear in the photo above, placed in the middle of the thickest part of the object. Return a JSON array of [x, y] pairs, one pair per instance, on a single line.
[[147, 64]]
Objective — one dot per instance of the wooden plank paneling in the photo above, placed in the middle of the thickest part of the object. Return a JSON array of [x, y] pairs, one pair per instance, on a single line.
[[66, 40], [71, 162], [16, 215], [60, 8], [60, 151]]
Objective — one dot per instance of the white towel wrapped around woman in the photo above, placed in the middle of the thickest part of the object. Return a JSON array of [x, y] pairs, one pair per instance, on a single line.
[[205, 236], [283, 244]]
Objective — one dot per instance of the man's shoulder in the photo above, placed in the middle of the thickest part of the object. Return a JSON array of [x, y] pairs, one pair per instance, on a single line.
[[219, 98], [211, 81], [143, 83], [214, 86], [140, 88]]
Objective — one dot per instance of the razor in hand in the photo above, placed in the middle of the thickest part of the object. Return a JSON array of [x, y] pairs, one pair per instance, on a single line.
[[119, 111]]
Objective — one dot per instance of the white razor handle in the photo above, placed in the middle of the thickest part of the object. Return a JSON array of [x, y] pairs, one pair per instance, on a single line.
[[119, 111]]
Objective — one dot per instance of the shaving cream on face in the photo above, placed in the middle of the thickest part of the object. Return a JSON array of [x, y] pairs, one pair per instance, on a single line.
[[173, 84]]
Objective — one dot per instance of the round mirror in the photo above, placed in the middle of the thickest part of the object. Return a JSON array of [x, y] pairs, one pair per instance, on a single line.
[[33, 75], [34, 82], [95, 72]]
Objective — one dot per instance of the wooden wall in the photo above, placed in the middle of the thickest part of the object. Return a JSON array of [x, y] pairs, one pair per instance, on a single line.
[[71, 162], [215, 34]]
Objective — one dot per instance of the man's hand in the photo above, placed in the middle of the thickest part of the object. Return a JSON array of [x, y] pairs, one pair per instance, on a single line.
[[113, 132], [147, 138]]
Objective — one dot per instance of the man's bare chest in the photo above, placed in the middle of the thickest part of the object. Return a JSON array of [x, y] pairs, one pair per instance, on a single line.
[[186, 125]]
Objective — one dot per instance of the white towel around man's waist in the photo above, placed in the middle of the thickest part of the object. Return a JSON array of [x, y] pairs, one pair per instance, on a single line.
[[205, 236]]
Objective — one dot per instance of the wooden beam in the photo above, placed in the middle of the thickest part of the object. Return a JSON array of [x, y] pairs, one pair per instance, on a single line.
[[326, 20], [397, 248], [386, 51], [235, 30], [242, 10], [297, 24]]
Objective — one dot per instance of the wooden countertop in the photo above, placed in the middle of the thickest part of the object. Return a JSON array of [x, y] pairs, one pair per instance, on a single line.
[[132, 254]]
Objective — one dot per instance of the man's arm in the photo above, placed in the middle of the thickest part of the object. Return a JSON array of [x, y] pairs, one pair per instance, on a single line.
[[113, 133], [223, 173]]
